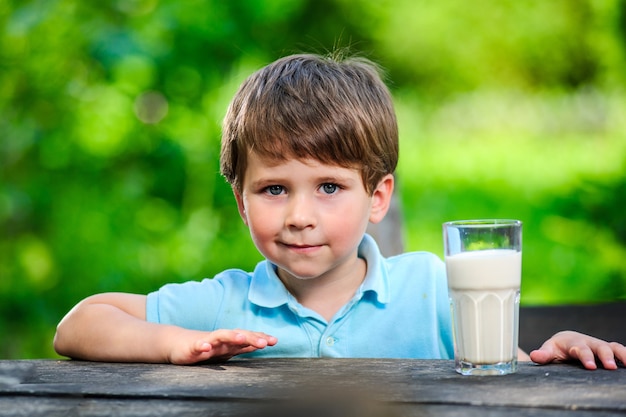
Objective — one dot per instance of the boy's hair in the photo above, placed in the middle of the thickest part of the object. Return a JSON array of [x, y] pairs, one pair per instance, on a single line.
[[334, 110]]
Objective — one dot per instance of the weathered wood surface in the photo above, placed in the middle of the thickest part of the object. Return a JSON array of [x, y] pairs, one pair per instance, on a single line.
[[321, 387]]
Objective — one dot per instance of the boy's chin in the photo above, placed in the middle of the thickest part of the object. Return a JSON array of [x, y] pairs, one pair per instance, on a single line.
[[297, 274]]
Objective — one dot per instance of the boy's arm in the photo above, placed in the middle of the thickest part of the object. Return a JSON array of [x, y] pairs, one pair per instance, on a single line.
[[568, 345], [113, 327], [522, 356]]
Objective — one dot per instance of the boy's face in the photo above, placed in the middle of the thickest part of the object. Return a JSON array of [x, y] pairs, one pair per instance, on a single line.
[[308, 218]]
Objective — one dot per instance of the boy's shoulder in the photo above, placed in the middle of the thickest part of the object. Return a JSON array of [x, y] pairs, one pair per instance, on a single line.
[[236, 277], [226, 279], [415, 256], [406, 263], [233, 273], [421, 262]]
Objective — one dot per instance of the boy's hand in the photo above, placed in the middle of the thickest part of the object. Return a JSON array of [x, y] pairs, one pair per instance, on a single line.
[[568, 345], [191, 346]]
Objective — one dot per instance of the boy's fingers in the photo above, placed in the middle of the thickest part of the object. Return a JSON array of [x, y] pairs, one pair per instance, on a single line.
[[243, 338], [260, 335], [539, 356], [545, 354], [620, 351], [258, 339], [203, 346], [585, 355], [228, 336], [606, 356], [585, 350]]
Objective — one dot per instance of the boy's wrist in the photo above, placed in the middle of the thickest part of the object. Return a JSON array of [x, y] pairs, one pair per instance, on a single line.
[[166, 338]]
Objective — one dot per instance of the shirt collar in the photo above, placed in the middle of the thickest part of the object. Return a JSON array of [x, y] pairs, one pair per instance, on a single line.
[[376, 279], [267, 290]]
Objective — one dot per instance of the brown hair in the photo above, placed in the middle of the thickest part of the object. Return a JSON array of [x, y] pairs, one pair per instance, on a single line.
[[334, 110]]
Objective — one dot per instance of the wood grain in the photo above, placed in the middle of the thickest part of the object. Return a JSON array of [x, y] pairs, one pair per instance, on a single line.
[[364, 387]]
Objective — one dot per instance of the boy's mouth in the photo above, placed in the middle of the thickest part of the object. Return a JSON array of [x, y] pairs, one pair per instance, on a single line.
[[301, 247]]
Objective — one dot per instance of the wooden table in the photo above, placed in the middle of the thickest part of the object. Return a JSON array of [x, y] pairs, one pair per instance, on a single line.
[[304, 387]]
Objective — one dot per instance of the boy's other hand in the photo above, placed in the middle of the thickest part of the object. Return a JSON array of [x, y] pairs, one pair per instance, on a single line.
[[569, 345], [191, 346]]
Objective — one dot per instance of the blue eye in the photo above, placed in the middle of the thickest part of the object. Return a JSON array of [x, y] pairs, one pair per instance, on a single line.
[[275, 189], [329, 188]]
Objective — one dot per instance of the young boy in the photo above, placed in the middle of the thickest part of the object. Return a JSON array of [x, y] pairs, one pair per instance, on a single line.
[[310, 145]]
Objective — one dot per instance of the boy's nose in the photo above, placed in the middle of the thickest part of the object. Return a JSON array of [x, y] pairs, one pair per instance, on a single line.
[[301, 213]]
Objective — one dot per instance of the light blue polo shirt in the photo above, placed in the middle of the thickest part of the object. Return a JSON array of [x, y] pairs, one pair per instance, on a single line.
[[401, 310]]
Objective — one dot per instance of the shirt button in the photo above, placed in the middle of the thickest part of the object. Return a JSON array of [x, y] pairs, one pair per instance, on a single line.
[[330, 341]]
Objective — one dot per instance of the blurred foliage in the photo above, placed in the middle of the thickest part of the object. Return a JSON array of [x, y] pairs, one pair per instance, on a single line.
[[110, 121]]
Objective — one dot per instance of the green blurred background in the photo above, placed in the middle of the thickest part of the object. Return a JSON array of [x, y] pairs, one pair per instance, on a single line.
[[110, 120]]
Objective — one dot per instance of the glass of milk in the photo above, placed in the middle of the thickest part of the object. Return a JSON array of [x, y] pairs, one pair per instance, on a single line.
[[484, 270]]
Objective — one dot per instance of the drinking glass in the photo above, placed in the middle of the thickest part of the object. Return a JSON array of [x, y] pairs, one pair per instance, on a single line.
[[484, 269]]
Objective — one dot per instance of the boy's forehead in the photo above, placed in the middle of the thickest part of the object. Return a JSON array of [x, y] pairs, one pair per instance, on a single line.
[[275, 161]]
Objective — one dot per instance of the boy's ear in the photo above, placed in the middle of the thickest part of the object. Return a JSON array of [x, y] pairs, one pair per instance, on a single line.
[[381, 198], [240, 206]]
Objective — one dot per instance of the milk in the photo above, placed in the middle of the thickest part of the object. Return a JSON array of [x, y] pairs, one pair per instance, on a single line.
[[484, 295]]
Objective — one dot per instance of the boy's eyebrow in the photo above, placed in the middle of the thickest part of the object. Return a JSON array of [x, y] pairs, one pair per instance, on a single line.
[[263, 182], [335, 178], [270, 180]]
